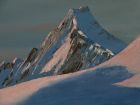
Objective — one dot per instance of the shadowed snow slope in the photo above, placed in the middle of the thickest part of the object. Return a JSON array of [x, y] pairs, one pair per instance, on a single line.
[[87, 88], [109, 84], [130, 58]]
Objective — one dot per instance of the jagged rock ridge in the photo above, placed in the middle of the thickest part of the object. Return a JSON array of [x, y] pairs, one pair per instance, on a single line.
[[79, 42]]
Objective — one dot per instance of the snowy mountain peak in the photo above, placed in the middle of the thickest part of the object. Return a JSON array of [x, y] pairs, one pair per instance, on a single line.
[[78, 42]]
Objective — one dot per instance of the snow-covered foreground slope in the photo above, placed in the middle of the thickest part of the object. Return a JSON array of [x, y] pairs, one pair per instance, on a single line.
[[129, 57], [92, 87], [78, 43], [116, 82]]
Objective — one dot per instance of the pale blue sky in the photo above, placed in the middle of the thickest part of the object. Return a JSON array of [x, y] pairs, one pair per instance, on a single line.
[[24, 23]]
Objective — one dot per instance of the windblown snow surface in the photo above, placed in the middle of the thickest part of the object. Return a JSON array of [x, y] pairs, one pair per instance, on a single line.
[[116, 82]]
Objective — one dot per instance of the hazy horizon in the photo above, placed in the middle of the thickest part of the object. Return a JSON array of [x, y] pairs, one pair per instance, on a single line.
[[24, 24]]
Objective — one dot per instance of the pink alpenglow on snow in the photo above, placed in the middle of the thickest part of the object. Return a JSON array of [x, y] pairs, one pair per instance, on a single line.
[[78, 63], [108, 84], [130, 57]]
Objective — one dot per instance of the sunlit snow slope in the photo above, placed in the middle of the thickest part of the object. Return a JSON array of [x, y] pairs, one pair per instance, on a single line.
[[115, 82]]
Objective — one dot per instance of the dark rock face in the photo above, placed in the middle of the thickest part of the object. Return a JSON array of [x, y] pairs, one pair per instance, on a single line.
[[83, 54]]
